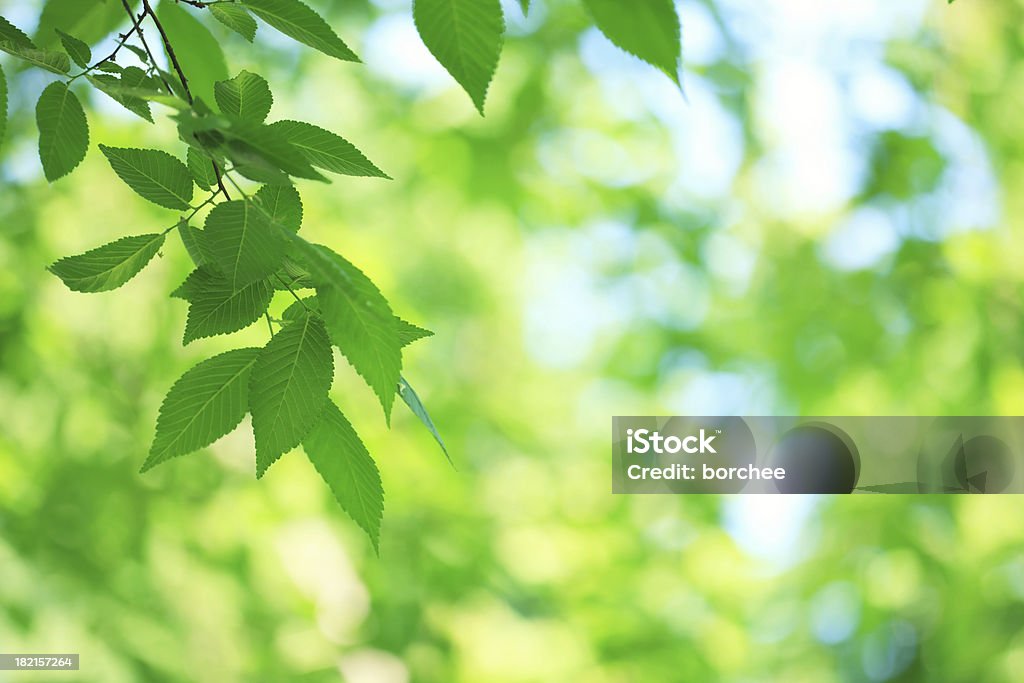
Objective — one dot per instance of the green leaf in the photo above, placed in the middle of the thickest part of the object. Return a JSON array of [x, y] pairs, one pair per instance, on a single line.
[[198, 52], [288, 389], [63, 130], [215, 308], [525, 4], [235, 18], [299, 309], [153, 174], [201, 168], [9, 33], [326, 150], [408, 333], [110, 266], [57, 62], [3, 107], [206, 403], [243, 243], [296, 20], [466, 37], [255, 145], [342, 460], [358, 318], [138, 52], [405, 390], [648, 29], [124, 94], [246, 96], [282, 205], [79, 52], [89, 20], [194, 240]]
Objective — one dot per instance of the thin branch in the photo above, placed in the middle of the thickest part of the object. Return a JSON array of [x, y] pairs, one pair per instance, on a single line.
[[148, 9], [142, 38], [109, 58], [269, 326]]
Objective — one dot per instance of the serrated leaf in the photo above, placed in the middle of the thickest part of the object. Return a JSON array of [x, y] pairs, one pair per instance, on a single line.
[[110, 266], [648, 29], [109, 67], [198, 51], [408, 333], [235, 18], [194, 240], [405, 390], [63, 130], [325, 150], [201, 168], [153, 174], [288, 388], [301, 308], [56, 62], [206, 403], [466, 37], [342, 460], [243, 243], [246, 96], [78, 51], [138, 52], [358, 319], [9, 33], [215, 308], [282, 205], [296, 20], [127, 96], [253, 143]]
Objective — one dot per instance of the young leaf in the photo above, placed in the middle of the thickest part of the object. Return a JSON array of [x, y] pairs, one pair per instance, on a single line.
[[78, 50], [206, 403], [63, 130], [648, 29], [108, 267], [57, 62], [153, 174], [198, 52], [408, 333], [416, 406], [282, 205], [359, 320], [525, 4], [201, 167], [288, 389], [296, 20], [243, 243], [326, 150], [246, 96], [215, 308], [466, 37], [235, 18], [194, 240], [9, 33], [342, 460]]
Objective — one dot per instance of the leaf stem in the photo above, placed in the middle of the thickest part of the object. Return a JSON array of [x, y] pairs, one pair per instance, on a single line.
[[292, 292]]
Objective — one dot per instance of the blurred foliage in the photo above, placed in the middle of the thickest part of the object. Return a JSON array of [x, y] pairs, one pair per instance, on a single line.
[[828, 225]]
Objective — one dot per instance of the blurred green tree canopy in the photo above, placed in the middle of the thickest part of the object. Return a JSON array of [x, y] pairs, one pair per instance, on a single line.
[[825, 223]]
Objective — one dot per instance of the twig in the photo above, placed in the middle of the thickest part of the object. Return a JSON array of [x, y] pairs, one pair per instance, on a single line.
[[142, 37], [148, 9]]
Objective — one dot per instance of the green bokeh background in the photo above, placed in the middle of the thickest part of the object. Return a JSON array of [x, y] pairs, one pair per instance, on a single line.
[[827, 224]]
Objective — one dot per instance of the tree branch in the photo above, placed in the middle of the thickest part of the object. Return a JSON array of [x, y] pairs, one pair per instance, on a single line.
[[148, 9]]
